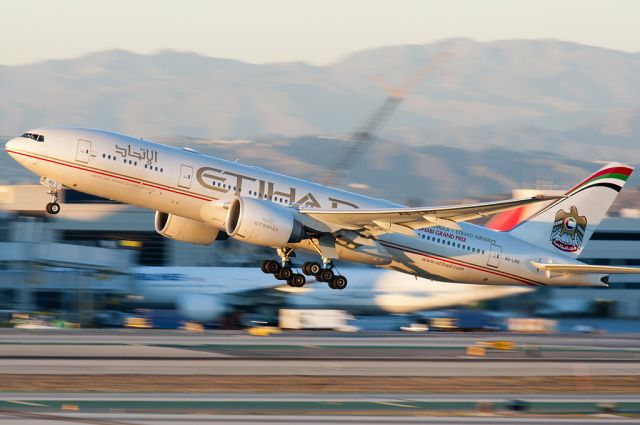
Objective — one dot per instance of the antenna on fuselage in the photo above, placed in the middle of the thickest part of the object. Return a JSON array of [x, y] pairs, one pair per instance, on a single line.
[[374, 124]]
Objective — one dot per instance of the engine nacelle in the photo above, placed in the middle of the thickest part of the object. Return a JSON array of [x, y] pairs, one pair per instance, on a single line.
[[186, 230], [263, 223]]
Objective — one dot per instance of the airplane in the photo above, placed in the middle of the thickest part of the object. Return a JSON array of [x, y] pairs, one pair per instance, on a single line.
[[205, 294], [199, 198]]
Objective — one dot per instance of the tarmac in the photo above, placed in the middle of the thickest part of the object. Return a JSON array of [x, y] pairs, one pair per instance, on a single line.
[[62, 360], [270, 367], [119, 409]]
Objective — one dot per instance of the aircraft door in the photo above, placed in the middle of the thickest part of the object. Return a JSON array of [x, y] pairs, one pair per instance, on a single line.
[[84, 151], [494, 256], [186, 174]]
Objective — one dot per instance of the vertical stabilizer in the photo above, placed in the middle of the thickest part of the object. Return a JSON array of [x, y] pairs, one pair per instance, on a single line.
[[566, 225]]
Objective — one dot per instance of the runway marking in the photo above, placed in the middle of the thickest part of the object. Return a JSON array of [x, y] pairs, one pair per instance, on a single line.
[[26, 403], [388, 403]]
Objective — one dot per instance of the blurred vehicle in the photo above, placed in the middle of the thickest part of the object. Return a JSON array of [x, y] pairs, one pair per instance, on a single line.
[[415, 327], [263, 330], [531, 325], [155, 319], [467, 321], [336, 320]]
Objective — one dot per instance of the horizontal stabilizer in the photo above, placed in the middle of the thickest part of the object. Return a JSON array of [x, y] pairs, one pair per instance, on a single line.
[[584, 269]]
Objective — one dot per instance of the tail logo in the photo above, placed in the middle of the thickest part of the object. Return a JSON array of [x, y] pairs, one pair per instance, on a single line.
[[568, 230]]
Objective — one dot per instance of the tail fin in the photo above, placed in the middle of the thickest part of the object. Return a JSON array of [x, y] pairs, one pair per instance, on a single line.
[[566, 224]]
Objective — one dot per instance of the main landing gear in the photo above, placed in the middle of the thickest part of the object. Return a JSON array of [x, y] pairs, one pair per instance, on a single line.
[[284, 271]]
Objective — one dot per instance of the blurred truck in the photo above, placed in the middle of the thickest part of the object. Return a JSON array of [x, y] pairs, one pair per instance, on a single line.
[[336, 320], [154, 319], [467, 321]]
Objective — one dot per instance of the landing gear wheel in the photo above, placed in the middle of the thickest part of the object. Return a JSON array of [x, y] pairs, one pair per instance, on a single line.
[[325, 275], [339, 282], [263, 266], [284, 274], [297, 280], [311, 268], [53, 208], [270, 266]]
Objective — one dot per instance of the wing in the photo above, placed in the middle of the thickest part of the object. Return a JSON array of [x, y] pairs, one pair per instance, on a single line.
[[405, 220], [585, 269]]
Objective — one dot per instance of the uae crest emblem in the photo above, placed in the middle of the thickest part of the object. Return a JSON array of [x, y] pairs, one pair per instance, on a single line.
[[568, 230]]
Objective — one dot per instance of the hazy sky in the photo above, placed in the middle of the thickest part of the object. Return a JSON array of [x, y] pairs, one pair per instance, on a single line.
[[317, 31]]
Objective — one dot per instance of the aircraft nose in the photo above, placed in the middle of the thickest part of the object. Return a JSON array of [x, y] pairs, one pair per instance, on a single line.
[[10, 144]]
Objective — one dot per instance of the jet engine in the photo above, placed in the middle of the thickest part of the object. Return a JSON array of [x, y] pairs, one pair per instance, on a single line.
[[186, 230], [263, 223]]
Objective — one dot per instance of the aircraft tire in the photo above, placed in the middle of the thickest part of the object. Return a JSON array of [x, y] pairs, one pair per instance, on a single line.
[[297, 280], [314, 268], [286, 273], [339, 282], [326, 275], [53, 208], [263, 266], [272, 267]]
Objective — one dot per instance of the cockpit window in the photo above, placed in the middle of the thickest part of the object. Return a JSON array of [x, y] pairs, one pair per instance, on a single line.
[[36, 137]]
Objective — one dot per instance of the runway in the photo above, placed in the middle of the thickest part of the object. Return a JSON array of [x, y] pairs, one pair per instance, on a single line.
[[629, 342], [146, 419], [305, 408], [268, 367], [125, 377]]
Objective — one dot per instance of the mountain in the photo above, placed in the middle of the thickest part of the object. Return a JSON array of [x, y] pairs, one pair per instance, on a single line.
[[490, 117], [499, 91]]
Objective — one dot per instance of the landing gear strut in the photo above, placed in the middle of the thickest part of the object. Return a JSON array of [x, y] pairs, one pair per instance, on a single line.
[[52, 207]]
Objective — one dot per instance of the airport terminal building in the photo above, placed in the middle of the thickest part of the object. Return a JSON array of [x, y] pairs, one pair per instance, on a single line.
[[82, 256]]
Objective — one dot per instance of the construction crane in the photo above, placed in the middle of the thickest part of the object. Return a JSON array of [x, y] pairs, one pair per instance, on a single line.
[[366, 134]]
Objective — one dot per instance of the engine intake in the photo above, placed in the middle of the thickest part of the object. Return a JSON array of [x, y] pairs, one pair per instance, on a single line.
[[262, 223], [186, 230]]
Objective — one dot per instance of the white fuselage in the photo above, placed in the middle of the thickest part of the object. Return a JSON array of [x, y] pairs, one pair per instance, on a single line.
[[181, 182]]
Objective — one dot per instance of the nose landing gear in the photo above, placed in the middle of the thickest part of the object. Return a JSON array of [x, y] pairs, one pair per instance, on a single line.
[[52, 207]]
